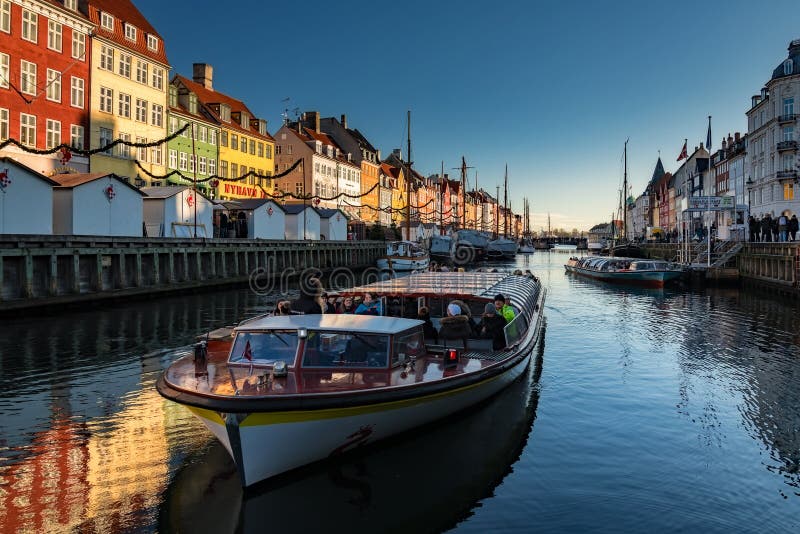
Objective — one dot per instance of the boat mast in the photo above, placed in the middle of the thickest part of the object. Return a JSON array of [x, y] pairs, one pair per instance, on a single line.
[[625, 196], [408, 183], [464, 193], [441, 201], [505, 204], [497, 214], [478, 205]]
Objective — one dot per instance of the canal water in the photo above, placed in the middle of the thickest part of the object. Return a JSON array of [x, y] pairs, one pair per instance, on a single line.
[[644, 410]]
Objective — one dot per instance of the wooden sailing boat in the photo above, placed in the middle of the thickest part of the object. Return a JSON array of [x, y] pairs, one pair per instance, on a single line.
[[526, 245], [623, 247], [503, 247]]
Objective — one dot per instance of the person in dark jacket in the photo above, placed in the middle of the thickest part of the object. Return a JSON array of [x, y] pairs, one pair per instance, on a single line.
[[793, 227], [455, 325], [766, 228], [310, 300], [492, 325], [424, 315]]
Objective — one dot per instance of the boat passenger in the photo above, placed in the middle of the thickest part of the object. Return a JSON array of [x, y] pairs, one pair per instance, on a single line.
[[428, 329], [330, 303], [455, 325], [310, 299], [283, 307], [370, 306], [503, 308], [492, 325], [347, 306], [394, 309]]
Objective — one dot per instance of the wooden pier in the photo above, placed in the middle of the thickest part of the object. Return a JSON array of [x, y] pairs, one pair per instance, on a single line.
[[50, 270]]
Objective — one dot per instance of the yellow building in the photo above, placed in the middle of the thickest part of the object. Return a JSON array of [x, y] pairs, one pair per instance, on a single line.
[[244, 143], [128, 94]]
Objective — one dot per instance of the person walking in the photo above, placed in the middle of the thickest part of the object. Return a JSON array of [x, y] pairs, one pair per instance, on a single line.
[[766, 228], [782, 226], [793, 227], [752, 227]]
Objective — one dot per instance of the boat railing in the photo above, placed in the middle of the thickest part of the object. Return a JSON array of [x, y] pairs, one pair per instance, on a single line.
[[515, 330]]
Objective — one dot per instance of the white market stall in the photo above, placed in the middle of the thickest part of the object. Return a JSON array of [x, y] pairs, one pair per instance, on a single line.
[[26, 200], [302, 222], [333, 224], [263, 218], [96, 204], [171, 211]]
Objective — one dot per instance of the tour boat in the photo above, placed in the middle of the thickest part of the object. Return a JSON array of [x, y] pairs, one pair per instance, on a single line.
[[502, 248], [526, 247], [564, 247], [404, 256], [439, 247], [280, 392], [635, 271], [468, 246]]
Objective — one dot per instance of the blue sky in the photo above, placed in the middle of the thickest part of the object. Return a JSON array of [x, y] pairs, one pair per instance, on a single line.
[[551, 88]]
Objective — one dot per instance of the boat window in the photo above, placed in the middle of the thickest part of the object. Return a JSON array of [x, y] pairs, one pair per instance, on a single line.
[[408, 345], [515, 330], [337, 349], [264, 348]]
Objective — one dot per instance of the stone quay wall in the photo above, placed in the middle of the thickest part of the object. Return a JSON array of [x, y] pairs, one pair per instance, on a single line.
[[50, 270]]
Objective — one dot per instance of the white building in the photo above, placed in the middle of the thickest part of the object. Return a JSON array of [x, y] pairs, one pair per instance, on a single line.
[[302, 222], [772, 146], [96, 204], [26, 200], [265, 218], [333, 224], [171, 211]]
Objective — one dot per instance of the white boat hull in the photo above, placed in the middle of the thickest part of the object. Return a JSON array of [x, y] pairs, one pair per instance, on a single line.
[[404, 263], [267, 444]]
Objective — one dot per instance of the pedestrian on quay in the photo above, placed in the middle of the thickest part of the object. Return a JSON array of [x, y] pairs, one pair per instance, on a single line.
[[782, 227], [752, 227], [774, 221], [766, 228], [793, 227]]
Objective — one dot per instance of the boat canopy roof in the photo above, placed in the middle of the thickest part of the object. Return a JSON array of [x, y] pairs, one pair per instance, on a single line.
[[468, 285], [331, 322]]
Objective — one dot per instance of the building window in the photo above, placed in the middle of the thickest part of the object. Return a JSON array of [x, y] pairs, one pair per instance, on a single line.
[[28, 78], [106, 96], [124, 106], [223, 169], [234, 170], [788, 106], [124, 150], [225, 112], [3, 124], [173, 159], [182, 161], [212, 167], [201, 164], [212, 137], [141, 72], [202, 134], [788, 133], [107, 58], [184, 132], [27, 130], [30, 25], [289, 149], [76, 138], [788, 191], [260, 150], [76, 92], [152, 43], [141, 110], [107, 21], [54, 35], [298, 188], [71, 4], [105, 138], [252, 147], [130, 32], [191, 162], [158, 78], [157, 115], [223, 138], [53, 133], [4, 70], [155, 155], [125, 61], [173, 125], [141, 152], [788, 67], [234, 141], [5, 16], [78, 45], [243, 145], [277, 149], [53, 85], [268, 151]]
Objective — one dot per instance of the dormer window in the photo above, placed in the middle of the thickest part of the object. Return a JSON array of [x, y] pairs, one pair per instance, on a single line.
[[130, 32], [245, 120], [71, 4], [107, 21], [788, 67], [192, 103], [152, 43], [225, 112], [173, 96]]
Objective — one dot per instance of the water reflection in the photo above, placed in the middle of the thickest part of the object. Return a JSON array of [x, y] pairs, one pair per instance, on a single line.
[[425, 481]]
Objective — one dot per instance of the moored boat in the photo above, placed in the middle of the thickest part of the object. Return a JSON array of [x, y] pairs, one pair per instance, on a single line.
[[284, 391], [564, 247], [468, 246], [634, 271], [439, 247], [404, 256], [502, 248]]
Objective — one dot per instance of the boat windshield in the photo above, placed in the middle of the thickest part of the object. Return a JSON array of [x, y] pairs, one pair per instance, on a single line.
[[264, 348], [338, 349]]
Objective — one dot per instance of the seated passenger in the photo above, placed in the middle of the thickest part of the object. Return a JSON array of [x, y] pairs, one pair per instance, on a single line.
[[347, 306], [502, 308], [370, 306], [492, 325], [455, 325], [394, 309]]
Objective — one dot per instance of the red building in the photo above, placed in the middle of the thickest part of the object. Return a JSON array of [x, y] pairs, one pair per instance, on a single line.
[[44, 80]]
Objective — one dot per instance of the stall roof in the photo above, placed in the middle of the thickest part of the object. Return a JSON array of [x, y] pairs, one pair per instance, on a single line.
[[69, 181], [294, 209], [249, 203], [327, 213], [168, 191]]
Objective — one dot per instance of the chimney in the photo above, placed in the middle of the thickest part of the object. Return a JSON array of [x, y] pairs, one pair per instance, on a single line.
[[344, 121], [724, 143], [203, 74], [311, 120], [764, 93], [756, 99], [398, 153], [794, 47], [736, 136]]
